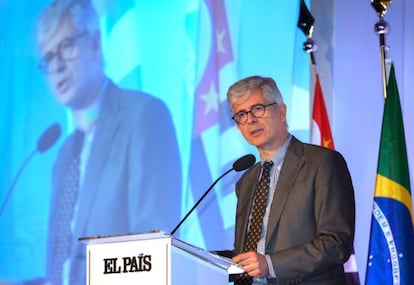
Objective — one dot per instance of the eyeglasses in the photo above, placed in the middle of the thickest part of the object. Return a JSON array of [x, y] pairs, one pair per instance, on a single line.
[[66, 50], [256, 111]]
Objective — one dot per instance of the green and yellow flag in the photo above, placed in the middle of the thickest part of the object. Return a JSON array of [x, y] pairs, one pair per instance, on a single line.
[[391, 248]]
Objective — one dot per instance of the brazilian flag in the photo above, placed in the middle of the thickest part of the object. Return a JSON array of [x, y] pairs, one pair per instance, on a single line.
[[391, 247]]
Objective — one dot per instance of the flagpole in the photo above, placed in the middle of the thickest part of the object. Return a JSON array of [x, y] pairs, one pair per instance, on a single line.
[[310, 47], [382, 28]]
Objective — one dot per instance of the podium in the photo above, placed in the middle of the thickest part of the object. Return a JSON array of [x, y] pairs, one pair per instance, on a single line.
[[153, 258]]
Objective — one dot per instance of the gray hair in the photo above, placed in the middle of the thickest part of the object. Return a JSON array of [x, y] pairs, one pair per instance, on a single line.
[[240, 91], [82, 13]]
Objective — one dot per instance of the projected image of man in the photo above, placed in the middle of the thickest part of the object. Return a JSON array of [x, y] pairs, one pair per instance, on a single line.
[[110, 175]]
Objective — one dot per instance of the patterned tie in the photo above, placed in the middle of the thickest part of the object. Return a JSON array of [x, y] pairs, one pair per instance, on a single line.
[[64, 213], [256, 220]]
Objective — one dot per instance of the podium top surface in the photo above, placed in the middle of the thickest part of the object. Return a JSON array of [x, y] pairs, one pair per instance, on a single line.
[[124, 237], [210, 257]]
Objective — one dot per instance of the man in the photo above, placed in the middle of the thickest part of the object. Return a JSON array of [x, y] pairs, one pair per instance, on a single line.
[[306, 229], [129, 177]]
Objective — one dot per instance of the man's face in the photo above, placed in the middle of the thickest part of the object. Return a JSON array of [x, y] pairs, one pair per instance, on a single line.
[[71, 60], [267, 132]]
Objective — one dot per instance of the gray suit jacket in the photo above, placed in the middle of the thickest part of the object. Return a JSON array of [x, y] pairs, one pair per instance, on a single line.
[[311, 223], [133, 177]]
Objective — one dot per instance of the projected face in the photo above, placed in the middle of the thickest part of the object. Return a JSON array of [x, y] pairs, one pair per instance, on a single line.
[[267, 131], [71, 59]]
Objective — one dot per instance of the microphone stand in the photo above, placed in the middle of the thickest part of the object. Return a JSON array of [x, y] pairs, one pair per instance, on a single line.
[[199, 200], [16, 177], [46, 140]]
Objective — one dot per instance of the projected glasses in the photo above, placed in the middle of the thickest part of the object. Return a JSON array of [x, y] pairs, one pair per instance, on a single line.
[[256, 111], [67, 49]]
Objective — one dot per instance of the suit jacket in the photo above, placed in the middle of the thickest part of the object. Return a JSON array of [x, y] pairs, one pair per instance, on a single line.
[[132, 181], [311, 223]]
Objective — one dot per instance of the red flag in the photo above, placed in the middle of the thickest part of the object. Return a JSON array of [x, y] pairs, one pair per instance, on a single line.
[[321, 130]]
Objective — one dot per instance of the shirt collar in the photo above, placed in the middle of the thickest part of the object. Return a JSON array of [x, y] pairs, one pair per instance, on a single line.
[[279, 155]]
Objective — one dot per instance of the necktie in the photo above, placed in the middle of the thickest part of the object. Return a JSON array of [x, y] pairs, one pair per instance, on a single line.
[[256, 220], [64, 213]]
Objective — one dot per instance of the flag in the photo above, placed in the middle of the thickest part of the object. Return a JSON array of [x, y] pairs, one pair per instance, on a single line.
[[208, 123], [321, 135], [321, 129], [391, 245]]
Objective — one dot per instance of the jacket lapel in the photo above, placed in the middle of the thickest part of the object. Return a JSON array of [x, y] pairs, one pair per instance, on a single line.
[[291, 167]]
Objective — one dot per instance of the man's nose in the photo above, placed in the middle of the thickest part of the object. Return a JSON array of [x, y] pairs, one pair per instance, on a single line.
[[251, 118], [57, 64]]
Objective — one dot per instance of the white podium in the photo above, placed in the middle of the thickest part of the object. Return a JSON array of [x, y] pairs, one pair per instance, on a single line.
[[153, 258]]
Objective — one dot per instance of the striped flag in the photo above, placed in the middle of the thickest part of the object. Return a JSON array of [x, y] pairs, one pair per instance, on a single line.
[[321, 135], [391, 246], [208, 125]]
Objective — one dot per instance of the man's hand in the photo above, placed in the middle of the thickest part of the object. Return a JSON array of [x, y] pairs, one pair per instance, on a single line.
[[253, 263]]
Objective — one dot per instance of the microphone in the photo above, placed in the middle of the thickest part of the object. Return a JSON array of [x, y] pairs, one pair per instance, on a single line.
[[241, 164], [45, 141], [48, 138]]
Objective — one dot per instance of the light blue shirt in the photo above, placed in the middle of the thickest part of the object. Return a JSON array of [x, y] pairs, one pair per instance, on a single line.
[[89, 120], [277, 159]]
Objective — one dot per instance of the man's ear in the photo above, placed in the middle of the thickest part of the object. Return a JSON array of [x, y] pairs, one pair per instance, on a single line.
[[283, 111]]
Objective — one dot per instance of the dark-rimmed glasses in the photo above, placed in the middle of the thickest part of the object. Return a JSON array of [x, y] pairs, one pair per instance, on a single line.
[[256, 111], [66, 50]]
